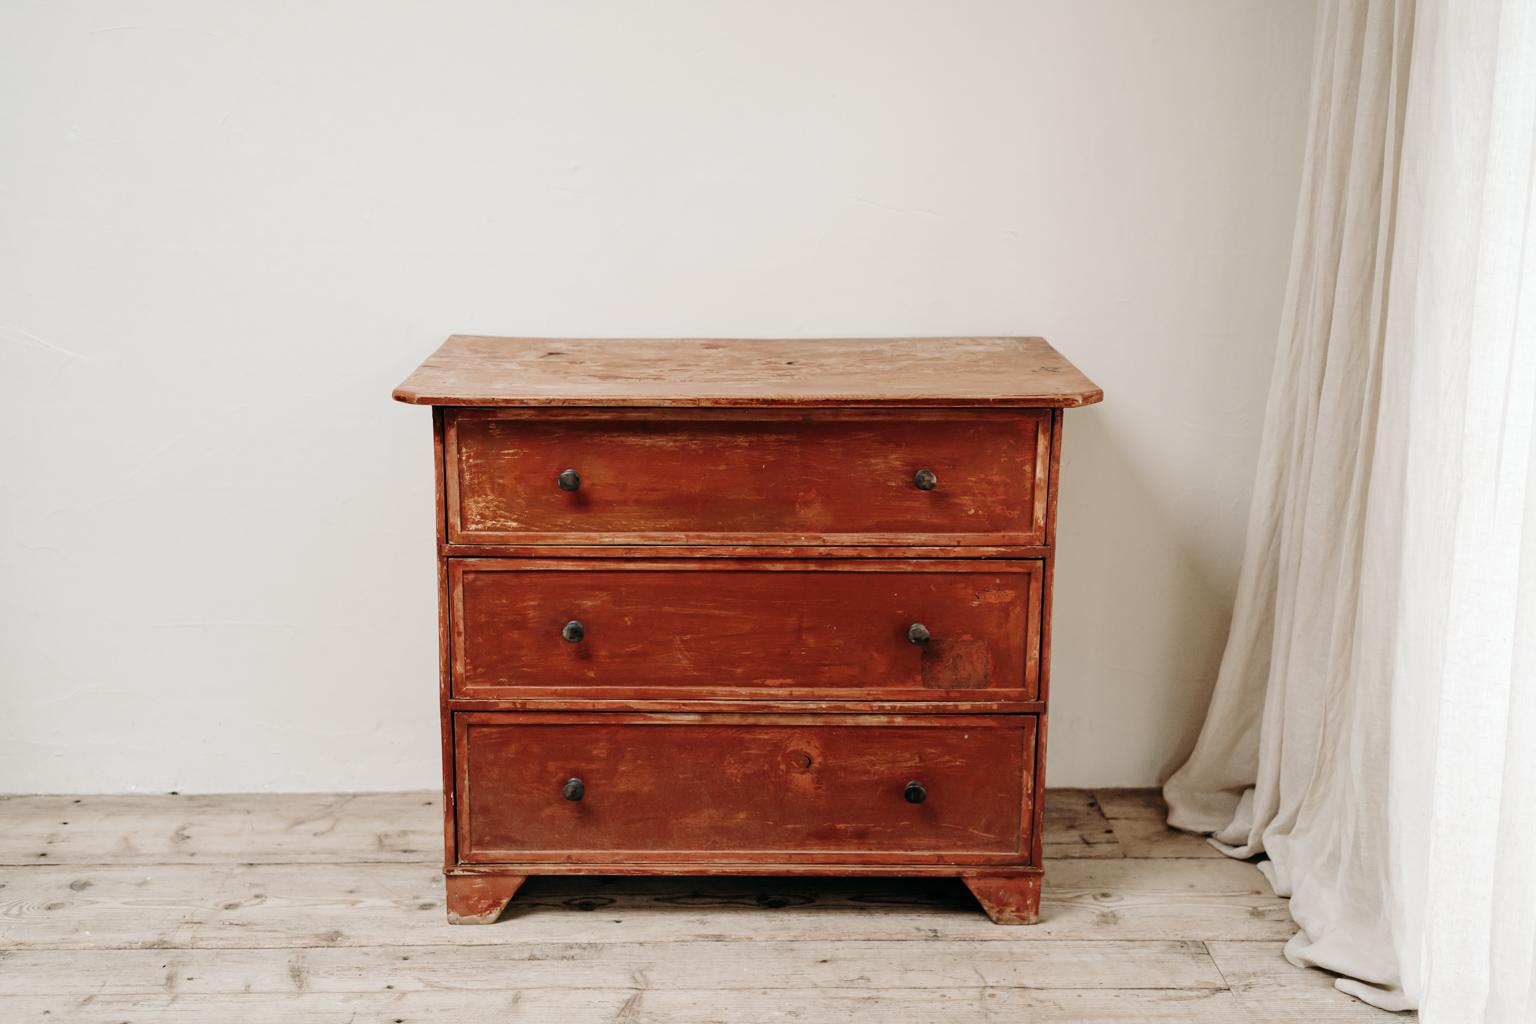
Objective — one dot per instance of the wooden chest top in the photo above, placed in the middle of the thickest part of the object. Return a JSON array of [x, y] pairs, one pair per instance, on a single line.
[[652, 372]]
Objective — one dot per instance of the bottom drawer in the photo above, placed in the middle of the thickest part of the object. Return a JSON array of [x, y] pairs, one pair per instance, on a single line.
[[747, 788]]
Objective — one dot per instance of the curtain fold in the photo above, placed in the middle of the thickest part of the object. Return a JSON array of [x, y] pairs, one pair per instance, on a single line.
[[1374, 719]]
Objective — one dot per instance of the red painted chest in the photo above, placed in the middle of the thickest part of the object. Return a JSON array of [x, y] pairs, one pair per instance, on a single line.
[[745, 607]]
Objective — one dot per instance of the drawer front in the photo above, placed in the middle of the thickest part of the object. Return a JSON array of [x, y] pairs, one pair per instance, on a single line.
[[836, 477], [750, 788], [823, 629]]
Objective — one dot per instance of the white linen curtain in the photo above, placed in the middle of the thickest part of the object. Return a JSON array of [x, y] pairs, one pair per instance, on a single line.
[[1373, 728]]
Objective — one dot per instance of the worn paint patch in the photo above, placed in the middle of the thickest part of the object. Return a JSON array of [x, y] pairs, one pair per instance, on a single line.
[[956, 664]]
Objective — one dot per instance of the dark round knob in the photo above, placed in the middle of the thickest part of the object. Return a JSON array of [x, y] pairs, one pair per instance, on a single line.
[[573, 631], [914, 792], [917, 633], [575, 789], [925, 480], [569, 480]]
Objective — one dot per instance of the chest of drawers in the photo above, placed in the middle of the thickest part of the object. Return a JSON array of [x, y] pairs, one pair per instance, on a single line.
[[745, 607]]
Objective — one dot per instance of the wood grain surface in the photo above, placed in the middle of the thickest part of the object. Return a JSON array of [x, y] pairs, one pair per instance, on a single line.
[[822, 630], [747, 477], [744, 788], [974, 371]]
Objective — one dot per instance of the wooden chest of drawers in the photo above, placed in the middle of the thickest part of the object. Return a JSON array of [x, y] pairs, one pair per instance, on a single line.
[[745, 607]]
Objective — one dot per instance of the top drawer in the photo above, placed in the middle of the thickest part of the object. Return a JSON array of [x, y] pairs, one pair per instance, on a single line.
[[830, 477]]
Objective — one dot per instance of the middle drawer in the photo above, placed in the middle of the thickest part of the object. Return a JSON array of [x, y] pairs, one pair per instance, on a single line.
[[822, 629]]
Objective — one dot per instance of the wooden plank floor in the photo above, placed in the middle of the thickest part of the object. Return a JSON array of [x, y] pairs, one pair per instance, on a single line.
[[322, 908]]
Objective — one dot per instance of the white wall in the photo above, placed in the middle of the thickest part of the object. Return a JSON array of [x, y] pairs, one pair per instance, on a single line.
[[227, 230]]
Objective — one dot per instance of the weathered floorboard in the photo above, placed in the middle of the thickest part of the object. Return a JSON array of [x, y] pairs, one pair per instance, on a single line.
[[85, 907], [1276, 992], [878, 966], [242, 828], [1138, 818], [1075, 827], [637, 1004]]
